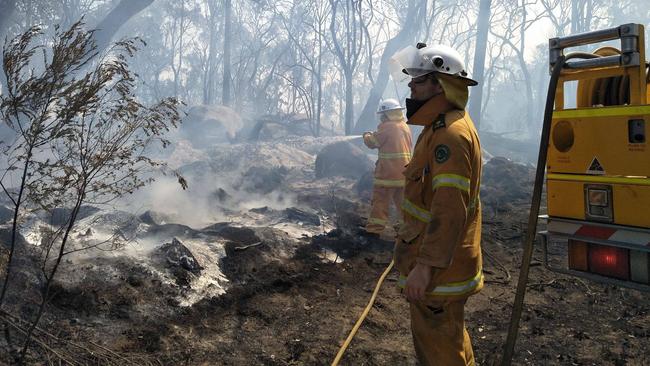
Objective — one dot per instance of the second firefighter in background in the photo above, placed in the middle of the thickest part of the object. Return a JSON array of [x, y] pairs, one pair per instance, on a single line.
[[393, 139]]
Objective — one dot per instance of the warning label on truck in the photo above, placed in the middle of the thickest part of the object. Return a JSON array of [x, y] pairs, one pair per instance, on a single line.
[[595, 167]]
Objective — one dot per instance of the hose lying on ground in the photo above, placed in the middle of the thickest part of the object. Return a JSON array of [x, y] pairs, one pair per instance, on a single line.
[[354, 330]]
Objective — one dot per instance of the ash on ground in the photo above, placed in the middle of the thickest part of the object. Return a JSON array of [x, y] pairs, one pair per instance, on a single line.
[[263, 260]]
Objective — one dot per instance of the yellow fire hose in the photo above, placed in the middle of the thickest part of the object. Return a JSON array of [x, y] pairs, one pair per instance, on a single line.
[[354, 330]]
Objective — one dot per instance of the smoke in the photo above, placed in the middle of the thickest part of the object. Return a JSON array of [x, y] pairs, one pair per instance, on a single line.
[[211, 197]]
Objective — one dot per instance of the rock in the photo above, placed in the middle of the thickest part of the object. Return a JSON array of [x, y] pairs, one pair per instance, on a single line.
[[261, 179], [313, 145], [261, 210], [304, 217], [239, 235], [273, 128], [342, 159], [155, 218], [215, 229], [171, 230], [177, 255], [206, 125], [60, 215]]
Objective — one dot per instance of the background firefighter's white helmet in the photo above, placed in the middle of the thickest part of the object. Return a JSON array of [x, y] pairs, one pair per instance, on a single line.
[[388, 105], [414, 62]]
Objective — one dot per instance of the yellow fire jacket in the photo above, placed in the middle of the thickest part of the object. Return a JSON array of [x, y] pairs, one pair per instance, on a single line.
[[442, 213], [393, 139]]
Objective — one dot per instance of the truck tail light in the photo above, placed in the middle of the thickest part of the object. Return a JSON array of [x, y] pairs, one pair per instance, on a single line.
[[578, 259], [609, 261]]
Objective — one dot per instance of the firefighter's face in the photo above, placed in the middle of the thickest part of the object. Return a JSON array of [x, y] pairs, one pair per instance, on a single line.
[[424, 88]]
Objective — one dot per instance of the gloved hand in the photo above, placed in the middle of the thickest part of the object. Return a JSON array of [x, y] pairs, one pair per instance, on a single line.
[[368, 140]]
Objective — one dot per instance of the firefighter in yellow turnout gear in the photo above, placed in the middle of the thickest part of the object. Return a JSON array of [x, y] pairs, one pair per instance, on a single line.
[[393, 139], [438, 250]]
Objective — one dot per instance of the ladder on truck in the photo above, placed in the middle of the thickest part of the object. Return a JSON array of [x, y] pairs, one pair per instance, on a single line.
[[597, 165]]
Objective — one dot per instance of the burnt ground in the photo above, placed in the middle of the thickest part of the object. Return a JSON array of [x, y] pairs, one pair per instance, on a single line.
[[290, 304]]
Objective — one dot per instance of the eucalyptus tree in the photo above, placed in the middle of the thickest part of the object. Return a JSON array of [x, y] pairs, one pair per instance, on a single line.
[[116, 18], [176, 27], [213, 55], [347, 42], [227, 47], [494, 70], [256, 58], [519, 18], [305, 25], [409, 20], [480, 48]]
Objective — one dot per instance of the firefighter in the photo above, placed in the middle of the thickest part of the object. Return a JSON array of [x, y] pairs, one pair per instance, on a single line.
[[393, 139], [438, 251]]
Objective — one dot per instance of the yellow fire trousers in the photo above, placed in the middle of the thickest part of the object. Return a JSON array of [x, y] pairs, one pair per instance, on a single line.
[[379, 213], [439, 334]]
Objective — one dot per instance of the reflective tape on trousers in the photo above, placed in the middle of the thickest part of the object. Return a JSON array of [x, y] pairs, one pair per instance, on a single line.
[[452, 288], [415, 211], [450, 180], [400, 155], [389, 182]]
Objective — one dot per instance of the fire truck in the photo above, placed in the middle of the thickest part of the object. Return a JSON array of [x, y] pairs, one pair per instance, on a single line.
[[598, 162], [595, 164]]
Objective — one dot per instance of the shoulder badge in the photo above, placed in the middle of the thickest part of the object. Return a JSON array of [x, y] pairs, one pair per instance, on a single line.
[[441, 153], [439, 122]]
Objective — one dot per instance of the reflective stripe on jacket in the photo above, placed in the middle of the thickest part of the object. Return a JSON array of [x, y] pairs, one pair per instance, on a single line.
[[442, 213]]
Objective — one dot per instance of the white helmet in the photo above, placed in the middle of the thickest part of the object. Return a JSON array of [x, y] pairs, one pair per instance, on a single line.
[[388, 105], [422, 60]]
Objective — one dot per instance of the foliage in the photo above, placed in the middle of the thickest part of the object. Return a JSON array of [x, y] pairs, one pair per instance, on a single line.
[[81, 135]]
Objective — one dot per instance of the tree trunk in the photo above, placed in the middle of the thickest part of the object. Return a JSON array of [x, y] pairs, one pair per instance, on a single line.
[[349, 103], [535, 122], [367, 119], [209, 77], [227, 44], [319, 81], [319, 102], [116, 18], [178, 77], [479, 61]]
